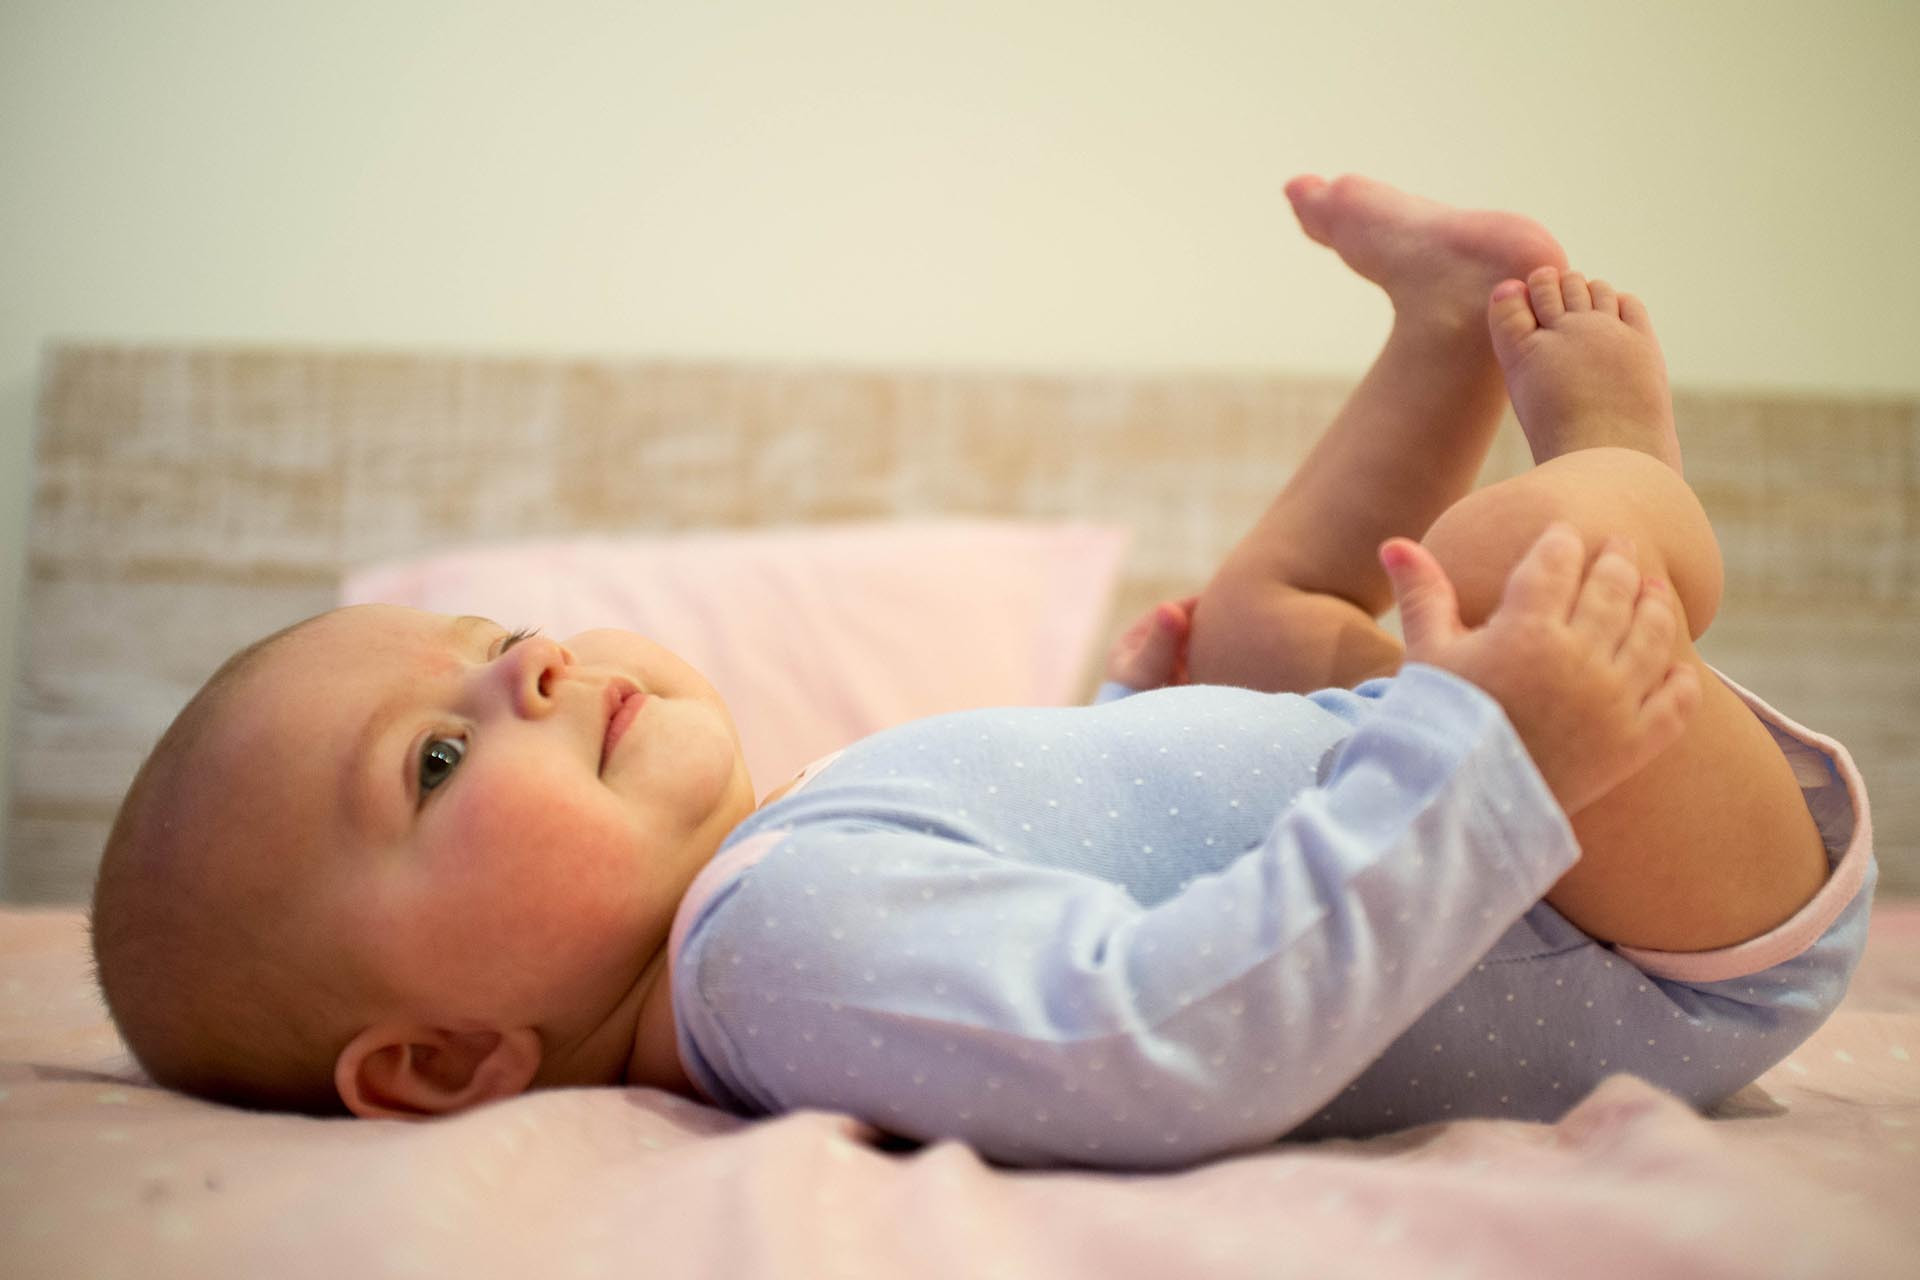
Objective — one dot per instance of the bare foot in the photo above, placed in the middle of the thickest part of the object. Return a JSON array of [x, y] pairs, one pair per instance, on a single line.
[[1436, 262], [1583, 367]]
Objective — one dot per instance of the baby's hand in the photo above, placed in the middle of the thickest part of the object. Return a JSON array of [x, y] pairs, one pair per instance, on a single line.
[[1153, 651], [1581, 663]]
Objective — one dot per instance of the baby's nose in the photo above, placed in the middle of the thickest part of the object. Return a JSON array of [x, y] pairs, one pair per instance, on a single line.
[[534, 670]]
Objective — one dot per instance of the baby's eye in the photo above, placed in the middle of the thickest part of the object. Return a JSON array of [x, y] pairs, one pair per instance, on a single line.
[[515, 637], [437, 760]]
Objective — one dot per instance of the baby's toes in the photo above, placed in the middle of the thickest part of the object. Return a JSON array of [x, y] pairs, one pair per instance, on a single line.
[[1510, 318], [1605, 300], [1574, 292], [1634, 312], [1543, 289]]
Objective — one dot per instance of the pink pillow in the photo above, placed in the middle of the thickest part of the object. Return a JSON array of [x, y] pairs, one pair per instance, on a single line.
[[814, 635]]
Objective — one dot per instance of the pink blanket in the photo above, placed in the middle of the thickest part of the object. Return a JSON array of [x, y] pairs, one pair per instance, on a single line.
[[1811, 1172]]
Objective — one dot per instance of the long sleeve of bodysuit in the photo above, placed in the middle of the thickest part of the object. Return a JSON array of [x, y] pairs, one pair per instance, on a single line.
[[893, 945]]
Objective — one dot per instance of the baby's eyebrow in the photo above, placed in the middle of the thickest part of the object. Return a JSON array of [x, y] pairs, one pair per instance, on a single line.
[[367, 781], [365, 778]]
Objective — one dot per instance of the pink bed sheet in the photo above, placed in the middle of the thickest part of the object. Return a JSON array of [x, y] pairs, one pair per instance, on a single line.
[[1811, 1172]]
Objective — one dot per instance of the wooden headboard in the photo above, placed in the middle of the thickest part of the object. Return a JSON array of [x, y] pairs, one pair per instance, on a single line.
[[189, 500]]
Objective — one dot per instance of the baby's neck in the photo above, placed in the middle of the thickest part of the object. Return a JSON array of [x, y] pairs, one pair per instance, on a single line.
[[655, 1059]]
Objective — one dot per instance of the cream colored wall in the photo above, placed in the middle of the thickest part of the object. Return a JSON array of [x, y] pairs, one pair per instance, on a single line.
[[1037, 184]]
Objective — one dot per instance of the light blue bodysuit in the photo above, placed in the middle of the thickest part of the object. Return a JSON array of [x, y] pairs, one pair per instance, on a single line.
[[1183, 923]]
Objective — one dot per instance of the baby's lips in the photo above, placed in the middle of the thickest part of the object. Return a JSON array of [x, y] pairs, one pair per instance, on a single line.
[[623, 700]]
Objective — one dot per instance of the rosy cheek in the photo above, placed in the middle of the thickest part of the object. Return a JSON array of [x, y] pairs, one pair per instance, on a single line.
[[539, 866]]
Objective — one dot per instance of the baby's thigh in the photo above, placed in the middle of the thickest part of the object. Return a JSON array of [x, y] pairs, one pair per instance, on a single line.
[[1709, 845]]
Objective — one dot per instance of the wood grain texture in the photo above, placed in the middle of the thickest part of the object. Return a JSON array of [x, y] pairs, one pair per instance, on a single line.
[[189, 500]]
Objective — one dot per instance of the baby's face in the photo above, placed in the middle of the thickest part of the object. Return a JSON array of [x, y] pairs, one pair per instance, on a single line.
[[502, 828]]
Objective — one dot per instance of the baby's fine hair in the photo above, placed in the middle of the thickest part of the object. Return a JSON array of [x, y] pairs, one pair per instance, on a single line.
[[209, 976]]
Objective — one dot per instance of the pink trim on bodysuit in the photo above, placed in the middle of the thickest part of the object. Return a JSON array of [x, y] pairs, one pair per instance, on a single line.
[[1799, 931], [716, 874]]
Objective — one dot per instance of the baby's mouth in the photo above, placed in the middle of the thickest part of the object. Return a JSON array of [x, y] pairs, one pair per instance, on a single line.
[[623, 702]]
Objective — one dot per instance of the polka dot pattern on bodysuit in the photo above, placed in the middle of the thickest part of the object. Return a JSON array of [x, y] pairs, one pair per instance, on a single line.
[[1145, 932]]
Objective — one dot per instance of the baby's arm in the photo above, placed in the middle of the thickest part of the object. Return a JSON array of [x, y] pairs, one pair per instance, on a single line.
[[1581, 665], [1101, 1029], [1047, 1015]]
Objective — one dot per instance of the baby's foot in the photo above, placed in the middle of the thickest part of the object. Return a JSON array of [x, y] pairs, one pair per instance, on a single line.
[[1582, 366], [1436, 262]]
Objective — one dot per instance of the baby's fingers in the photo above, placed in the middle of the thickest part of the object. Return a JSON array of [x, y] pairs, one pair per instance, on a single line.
[[1604, 610], [1647, 649], [1547, 577], [1152, 652], [1668, 710]]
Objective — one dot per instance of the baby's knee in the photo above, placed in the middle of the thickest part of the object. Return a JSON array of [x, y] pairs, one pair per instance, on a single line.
[[1284, 640], [1600, 492]]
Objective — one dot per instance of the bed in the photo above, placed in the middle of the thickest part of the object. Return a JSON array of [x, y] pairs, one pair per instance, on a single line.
[[1812, 1171], [187, 500]]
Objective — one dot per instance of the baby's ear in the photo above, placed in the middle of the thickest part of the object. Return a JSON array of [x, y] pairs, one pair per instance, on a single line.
[[410, 1072]]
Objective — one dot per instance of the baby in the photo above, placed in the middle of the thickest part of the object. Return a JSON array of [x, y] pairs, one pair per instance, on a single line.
[[1325, 882]]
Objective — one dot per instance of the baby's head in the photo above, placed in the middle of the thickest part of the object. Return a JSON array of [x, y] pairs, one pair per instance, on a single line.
[[411, 862]]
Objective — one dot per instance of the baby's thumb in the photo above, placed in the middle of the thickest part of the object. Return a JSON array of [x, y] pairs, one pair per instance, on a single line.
[[1163, 641], [1429, 612], [1146, 656]]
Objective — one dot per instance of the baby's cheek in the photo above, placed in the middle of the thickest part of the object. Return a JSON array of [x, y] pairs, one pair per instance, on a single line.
[[558, 878]]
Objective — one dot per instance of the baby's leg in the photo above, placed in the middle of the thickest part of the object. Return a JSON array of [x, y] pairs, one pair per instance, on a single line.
[[1294, 605], [1712, 843]]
